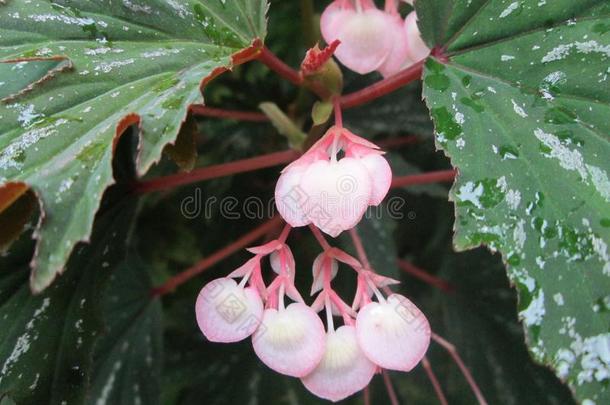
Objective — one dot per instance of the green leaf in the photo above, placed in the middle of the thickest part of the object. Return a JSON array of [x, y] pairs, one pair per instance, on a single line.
[[127, 359], [124, 63], [46, 346], [521, 108]]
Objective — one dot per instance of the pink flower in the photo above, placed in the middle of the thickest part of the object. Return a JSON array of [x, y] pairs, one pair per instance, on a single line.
[[290, 340], [332, 193], [227, 312], [344, 369], [365, 41], [393, 334], [372, 39]]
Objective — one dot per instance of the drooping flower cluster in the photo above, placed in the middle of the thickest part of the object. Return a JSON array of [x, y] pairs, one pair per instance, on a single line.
[[389, 333], [372, 39], [332, 193]]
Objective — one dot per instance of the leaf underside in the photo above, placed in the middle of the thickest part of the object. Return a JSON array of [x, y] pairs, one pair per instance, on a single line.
[[74, 74], [521, 109]]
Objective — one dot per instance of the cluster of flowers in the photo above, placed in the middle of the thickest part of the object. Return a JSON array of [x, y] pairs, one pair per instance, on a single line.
[[372, 39], [389, 333], [332, 193]]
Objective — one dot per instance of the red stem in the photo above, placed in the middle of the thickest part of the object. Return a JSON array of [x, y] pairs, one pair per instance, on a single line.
[[432, 377], [216, 257], [440, 176], [390, 388], [277, 65], [382, 87], [363, 96], [215, 171], [357, 241], [319, 237], [424, 276], [465, 372], [204, 111], [398, 141], [338, 113]]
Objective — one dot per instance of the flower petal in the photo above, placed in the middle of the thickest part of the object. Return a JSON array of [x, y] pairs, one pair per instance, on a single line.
[[381, 174], [289, 197], [418, 49], [365, 41], [338, 194], [290, 341], [400, 51], [344, 369], [394, 334], [226, 312]]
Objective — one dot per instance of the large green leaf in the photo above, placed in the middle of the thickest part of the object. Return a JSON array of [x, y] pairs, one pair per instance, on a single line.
[[520, 105], [73, 70], [47, 340], [127, 359]]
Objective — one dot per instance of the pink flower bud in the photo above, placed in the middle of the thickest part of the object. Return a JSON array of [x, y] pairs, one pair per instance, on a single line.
[[290, 341], [344, 369], [393, 334], [227, 312]]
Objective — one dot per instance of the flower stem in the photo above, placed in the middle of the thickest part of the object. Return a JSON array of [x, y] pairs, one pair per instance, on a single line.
[[363, 96], [383, 87], [465, 372], [274, 63], [424, 276], [390, 388], [357, 241], [215, 171], [320, 238], [432, 377], [440, 176], [204, 264], [204, 111]]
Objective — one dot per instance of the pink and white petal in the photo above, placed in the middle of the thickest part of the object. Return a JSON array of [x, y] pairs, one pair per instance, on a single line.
[[266, 248], [275, 261], [319, 264], [418, 49], [365, 42], [344, 369], [289, 197], [400, 51], [343, 257], [350, 137], [245, 268], [395, 334], [226, 312], [381, 174], [290, 341], [338, 194]]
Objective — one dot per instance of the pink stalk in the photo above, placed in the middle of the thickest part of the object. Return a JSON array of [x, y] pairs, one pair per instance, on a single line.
[[319, 237], [465, 372], [432, 377]]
